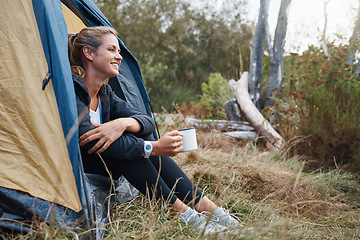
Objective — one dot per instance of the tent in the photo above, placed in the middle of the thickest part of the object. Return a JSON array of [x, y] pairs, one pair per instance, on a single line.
[[41, 174]]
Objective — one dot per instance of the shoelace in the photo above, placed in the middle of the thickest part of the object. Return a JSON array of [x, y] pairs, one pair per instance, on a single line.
[[208, 225], [231, 215], [213, 217]]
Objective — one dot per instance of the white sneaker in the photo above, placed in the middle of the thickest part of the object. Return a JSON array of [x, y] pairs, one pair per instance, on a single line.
[[222, 217], [200, 222]]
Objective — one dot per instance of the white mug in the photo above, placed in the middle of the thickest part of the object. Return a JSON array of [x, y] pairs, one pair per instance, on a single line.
[[189, 139]]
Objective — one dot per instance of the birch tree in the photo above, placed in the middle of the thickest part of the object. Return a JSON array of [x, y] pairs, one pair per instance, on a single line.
[[257, 56], [276, 52], [249, 107], [355, 42], [323, 37]]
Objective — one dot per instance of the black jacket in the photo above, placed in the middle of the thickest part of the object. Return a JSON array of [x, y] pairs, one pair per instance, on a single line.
[[129, 145]]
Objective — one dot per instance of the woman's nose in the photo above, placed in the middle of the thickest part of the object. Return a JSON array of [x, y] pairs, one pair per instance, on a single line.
[[118, 56]]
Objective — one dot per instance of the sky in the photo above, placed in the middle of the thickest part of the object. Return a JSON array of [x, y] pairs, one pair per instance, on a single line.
[[306, 20]]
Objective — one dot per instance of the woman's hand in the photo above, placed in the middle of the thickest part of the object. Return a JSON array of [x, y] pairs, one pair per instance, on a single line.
[[168, 145], [108, 132]]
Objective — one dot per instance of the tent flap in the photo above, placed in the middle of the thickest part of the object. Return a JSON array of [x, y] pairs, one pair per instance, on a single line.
[[53, 32], [32, 143]]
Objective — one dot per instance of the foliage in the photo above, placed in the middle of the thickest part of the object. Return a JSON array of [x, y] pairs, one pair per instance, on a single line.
[[199, 111], [319, 104], [177, 45], [215, 92]]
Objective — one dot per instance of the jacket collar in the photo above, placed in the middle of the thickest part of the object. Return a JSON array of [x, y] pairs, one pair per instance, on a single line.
[[83, 92], [78, 80]]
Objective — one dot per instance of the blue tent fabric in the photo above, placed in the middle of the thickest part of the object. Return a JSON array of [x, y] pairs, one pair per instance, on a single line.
[[131, 91], [21, 208], [53, 33]]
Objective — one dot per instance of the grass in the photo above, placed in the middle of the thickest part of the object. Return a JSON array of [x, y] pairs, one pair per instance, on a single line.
[[275, 196]]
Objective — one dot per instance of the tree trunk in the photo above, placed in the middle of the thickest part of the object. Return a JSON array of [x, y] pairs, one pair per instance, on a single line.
[[354, 40], [268, 135], [257, 54], [276, 53], [323, 38]]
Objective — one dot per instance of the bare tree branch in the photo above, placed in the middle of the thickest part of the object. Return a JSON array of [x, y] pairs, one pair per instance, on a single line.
[[268, 135]]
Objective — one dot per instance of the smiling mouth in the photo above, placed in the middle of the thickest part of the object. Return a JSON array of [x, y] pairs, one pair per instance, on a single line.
[[116, 65]]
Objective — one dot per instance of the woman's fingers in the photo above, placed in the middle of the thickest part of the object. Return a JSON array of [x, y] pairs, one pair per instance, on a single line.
[[89, 136], [103, 144], [103, 148], [171, 144], [179, 149], [96, 146], [177, 144]]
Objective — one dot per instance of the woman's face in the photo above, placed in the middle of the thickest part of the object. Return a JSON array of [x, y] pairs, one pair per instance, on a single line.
[[107, 58]]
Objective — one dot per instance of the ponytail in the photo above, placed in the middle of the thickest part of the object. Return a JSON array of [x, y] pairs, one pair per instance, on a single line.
[[75, 56]]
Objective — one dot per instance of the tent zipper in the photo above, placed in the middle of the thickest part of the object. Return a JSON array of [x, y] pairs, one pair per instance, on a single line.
[[46, 80]]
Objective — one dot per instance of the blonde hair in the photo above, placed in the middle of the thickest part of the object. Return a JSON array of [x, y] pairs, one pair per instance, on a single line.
[[89, 36]]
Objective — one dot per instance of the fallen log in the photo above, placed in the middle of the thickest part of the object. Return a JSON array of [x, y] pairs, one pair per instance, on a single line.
[[241, 135], [220, 125], [266, 132]]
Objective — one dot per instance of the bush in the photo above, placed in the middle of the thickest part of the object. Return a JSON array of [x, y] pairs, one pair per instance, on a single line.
[[215, 92], [319, 102]]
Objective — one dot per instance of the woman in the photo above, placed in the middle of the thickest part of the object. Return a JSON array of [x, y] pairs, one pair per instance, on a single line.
[[117, 132]]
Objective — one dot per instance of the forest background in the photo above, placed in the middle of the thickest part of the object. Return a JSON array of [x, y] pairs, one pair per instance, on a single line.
[[187, 54], [178, 46]]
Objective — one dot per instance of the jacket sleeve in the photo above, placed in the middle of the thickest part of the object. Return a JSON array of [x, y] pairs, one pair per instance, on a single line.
[[127, 147], [120, 108]]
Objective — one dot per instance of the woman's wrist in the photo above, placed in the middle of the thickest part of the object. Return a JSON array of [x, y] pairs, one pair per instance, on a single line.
[[155, 150]]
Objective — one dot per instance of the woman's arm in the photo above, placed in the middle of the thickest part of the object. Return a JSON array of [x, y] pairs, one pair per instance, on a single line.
[[108, 132], [119, 138], [128, 146], [121, 109], [118, 118]]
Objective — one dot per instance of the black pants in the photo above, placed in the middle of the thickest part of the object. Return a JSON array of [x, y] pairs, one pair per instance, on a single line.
[[143, 174]]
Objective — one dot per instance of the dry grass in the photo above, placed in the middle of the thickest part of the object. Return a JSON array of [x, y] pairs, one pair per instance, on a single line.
[[272, 194], [249, 180]]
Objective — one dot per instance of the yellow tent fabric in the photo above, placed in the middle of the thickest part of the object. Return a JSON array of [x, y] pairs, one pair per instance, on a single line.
[[33, 153], [73, 23]]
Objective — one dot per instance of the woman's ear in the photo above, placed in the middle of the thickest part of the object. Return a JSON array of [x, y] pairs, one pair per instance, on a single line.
[[88, 52]]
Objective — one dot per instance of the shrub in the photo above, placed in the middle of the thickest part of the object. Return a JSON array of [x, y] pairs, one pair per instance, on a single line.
[[319, 102], [215, 92]]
